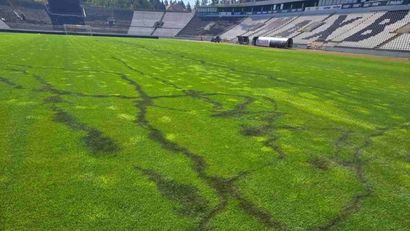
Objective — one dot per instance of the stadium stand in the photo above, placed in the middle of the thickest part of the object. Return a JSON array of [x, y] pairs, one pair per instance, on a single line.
[[208, 26], [368, 30], [108, 20], [402, 43], [271, 25], [176, 20], [143, 22], [335, 25], [374, 32], [296, 26], [3, 25], [354, 26], [173, 23], [65, 7], [248, 24], [351, 28], [65, 12], [25, 15], [146, 18]]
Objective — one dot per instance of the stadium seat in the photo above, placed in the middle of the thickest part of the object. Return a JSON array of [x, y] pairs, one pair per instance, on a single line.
[[294, 27], [333, 26], [173, 23], [208, 26], [376, 29], [248, 24], [273, 24], [401, 43], [97, 18]]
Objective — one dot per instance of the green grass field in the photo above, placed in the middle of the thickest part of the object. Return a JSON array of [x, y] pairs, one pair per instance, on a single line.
[[134, 134]]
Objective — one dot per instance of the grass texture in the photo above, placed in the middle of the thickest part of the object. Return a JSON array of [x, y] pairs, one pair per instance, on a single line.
[[135, 134]]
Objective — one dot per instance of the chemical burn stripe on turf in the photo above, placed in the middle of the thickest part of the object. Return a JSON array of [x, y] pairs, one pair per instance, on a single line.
[[95, 140], [236, 70], [239, 108], [193, 204], [225, 188], [49, 88], [10, 83], [246, 204], [357, 165], [352, 206]]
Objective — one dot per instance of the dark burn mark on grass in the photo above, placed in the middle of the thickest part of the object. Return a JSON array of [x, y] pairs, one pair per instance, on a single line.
[[200, 95], [155, 134], [341, 141], [97, 142], [204, 223], [357, 157], [171, 108], [192, 203], [127, 65], [261, 214], [224, 188], [349, 209], [407, 158], [70, 121], [273, 143], [47, 87], [54, 99], [267, 129], [179, 55], [320, 162], [191, 93], [357, 165], [238, 110], [25, 69], [10, 83], [252, 131], [94, 139], [169, 83]]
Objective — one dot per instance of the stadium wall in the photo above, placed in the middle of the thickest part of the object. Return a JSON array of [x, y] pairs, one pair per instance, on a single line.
[[56, 32]]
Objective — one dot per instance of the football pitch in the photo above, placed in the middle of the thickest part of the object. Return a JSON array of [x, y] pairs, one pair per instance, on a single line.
[[138, 134]]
